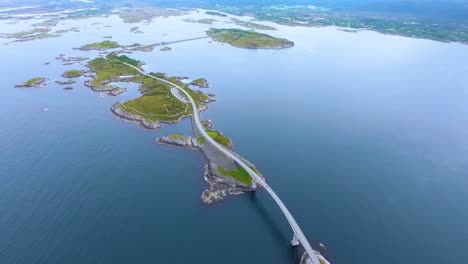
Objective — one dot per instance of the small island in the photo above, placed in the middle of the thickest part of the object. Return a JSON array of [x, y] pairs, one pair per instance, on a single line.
[[166, 49], [200, 82], [214, 13], [248, 39], [37, 82], [72, 74], [103, 45], [67, 82]]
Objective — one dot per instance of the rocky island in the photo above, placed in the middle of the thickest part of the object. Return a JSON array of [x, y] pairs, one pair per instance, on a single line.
[[103, 45], [36, 82], [248, 39], [72, 74], [200, 82]]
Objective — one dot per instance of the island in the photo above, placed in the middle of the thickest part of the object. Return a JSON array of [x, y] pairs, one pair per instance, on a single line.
[[37, 82], [72, 74], [103, 45], [248, 39], [200, 82], [214, 13], [67, 82], [166, 49]]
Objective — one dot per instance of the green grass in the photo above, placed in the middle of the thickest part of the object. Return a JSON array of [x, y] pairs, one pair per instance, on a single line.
[[72, 73], [126, 59], [248, 39], [179, 136], [200, 82], [239, 174], [103, 45], [201, 140], [220, 138], [157, 103], [109, 70], [34, 81]]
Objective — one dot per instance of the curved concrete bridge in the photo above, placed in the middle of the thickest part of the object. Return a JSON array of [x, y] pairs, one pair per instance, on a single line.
[[298, 237]]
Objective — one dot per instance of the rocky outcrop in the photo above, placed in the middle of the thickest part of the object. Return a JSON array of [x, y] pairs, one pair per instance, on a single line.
[[67, 82], [200, 82], [178, 140], [118, 110], [208, 124], [117, 91], [33, 83]]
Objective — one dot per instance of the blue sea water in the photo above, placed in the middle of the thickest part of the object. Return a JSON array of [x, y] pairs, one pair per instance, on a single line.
[[364, 136]]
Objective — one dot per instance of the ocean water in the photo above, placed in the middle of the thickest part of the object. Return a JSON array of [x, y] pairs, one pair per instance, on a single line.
[[364, 136]]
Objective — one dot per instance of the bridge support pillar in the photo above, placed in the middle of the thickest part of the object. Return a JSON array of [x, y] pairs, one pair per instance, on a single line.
[[295, 241]]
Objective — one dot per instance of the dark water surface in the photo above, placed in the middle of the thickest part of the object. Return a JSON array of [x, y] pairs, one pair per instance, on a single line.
[[363, 136]]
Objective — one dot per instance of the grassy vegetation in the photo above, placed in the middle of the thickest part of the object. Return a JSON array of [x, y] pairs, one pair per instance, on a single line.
[[201, 140], [179, 137], [248, 39], [33, 81], [103, 45], [125, 59], [108, 70], [157, 102], [140, 47], [220, 138], [200, 82], [72, 73], [239, 174]]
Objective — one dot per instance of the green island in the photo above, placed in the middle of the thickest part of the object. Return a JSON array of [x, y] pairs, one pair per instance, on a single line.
[[33, 34], [103, 45], [200, 82], [166, 49], [248, 39], [140, 47], [72, 74], [36, 82], [67, 82]]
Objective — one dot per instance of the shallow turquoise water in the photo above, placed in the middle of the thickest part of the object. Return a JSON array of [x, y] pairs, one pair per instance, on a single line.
[[364, 137]]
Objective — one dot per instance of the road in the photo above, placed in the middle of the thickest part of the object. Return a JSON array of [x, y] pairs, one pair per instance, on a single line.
[[292, 222]]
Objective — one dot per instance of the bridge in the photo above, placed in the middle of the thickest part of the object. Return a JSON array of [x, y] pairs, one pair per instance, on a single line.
[[298, 236]]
